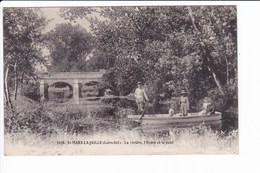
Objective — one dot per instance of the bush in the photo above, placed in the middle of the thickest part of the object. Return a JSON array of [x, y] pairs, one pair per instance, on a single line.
[[30, 120], [46, 119], [32, 90], [227, 104]]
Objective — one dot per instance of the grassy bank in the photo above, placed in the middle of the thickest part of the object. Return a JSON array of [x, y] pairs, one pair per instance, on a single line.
[[199, 140]]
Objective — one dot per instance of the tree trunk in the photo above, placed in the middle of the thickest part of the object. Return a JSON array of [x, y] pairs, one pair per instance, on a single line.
[[7, 93], [227, 63], [5, 96], [227, 73], [22, 83], [15, 81], [192, 18], [217, 81]]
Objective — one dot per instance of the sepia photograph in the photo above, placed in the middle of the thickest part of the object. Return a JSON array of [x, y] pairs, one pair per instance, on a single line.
[[120, 80]]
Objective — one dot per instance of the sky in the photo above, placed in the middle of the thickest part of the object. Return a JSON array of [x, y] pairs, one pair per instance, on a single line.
[[53, 13]]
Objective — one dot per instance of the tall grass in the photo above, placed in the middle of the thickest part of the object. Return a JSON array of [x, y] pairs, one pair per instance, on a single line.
[[199, 140]]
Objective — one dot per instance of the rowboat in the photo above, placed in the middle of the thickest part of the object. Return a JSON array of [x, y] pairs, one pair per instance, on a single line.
[[160, 122]]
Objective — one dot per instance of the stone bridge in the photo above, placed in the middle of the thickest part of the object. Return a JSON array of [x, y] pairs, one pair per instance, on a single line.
[[73, 79]]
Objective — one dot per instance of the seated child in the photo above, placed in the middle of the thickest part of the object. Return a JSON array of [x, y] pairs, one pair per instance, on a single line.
[[172, 110], [207, 107]]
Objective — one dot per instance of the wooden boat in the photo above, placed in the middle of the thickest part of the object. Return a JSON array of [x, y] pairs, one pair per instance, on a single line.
[[160, 122]]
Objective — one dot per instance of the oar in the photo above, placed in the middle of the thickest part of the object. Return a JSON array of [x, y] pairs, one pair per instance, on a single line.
[[126, 97], [142, 114]]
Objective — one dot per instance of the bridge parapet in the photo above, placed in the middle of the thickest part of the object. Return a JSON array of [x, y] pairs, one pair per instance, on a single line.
[[74, 75]]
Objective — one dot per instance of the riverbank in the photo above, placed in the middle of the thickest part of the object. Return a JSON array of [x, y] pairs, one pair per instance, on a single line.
[[197, 140]]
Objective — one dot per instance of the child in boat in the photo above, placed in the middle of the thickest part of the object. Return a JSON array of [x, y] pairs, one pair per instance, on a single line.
[[207, 107], [184, 102], [172, 110]]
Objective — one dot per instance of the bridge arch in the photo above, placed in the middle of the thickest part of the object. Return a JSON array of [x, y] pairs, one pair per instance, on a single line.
[[53, 82], [60, 91], [91, 88], [79, 83]]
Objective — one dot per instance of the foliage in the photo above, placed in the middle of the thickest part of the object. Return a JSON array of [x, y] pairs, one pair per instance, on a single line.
[[22, 33], [31, 90], [45, 120], [69, 47], [228, 105], [22, 46], [168, 48]]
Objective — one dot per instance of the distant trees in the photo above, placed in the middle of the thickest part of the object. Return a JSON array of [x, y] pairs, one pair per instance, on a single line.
[[69, 46], [22, 36]]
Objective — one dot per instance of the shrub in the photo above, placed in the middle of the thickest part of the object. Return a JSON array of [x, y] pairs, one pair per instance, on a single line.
[[47, 119], [227, 104], [30, 120], [31, 90]]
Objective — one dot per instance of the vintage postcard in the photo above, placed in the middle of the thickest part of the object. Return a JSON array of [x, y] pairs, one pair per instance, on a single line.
[[120, 80]]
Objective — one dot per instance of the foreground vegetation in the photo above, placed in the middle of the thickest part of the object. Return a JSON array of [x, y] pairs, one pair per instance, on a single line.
[[37, 128], [196, 140], [51, 118]]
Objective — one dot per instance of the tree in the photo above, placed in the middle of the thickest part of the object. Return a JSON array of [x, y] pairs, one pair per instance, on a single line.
[[215, 34], [69, 47], [179, 47], [22, 37]]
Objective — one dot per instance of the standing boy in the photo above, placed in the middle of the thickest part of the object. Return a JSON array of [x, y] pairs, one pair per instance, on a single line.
[[141, 98], [184, 102]]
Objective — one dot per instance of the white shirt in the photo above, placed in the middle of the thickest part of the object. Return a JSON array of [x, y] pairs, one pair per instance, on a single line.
[[206, 105], [140, 94]]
